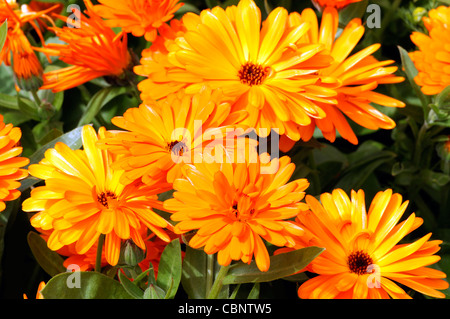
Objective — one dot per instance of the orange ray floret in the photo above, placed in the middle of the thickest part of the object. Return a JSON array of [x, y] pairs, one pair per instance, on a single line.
[[232, 207], [262, 65], [83, 198], [339, 4], [363, 256], [10, 163], [139, 17], [38, 293], [92, 51], [163, 135], [432, 60], [17, 50], [357, 76]]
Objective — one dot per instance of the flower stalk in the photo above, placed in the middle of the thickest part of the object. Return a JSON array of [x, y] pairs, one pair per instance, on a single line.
[[218, 283]]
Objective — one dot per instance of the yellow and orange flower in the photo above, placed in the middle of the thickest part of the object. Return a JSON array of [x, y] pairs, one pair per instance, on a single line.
[[266, 68], [357, 76], [339, 4], [10, 163], [93, 50], [432, 60], [17, 51], [162, 136], [363, 257], [139, 17], [83, 198], [232, 207]]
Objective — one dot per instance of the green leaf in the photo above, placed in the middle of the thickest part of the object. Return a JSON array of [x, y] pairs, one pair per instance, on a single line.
[[443, 98], [49, 260], [8, 102], [281, 265], [153, 292], [7, 80], [434, 178], [254, 293], [3, 33], [353, 10], [362, 163], [187, 7], [98, 101], [72, 139], [28, 107], [169, 269], [84, 285], [130, 287], [194, 274]]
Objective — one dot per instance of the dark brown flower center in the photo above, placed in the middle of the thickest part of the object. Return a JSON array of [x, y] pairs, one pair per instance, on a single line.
[[103, 198], [178, 148], [358, 262], [252, 74]]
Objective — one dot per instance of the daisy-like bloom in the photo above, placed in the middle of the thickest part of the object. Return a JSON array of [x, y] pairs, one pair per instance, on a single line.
[[17, 51], [162, 136], [93, 50], [363, 257], [339, 4], [357, 76], [10, 163], [232, 207], [266, 68], [83, 198], [139, 17], [432, 60]]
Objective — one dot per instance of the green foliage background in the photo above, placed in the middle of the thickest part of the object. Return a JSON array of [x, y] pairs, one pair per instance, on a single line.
[[410, 159]]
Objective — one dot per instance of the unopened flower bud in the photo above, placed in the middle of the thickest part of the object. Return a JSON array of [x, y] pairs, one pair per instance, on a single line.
[[131, 254]]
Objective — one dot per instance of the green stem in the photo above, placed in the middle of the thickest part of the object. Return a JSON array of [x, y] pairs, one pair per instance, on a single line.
[[218, 283], [141, 276], [419, 141], [36, 98], [209, 273], [98, 260]]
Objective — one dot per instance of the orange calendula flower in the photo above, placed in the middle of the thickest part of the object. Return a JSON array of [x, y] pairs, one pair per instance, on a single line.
[[17, 51], [93, 50], [265, 67], [163, 135], [432, 60], [339, 4], [10, 163], [83, 198], [357, 76], [363, 257], [232, 207], [139, 17]]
